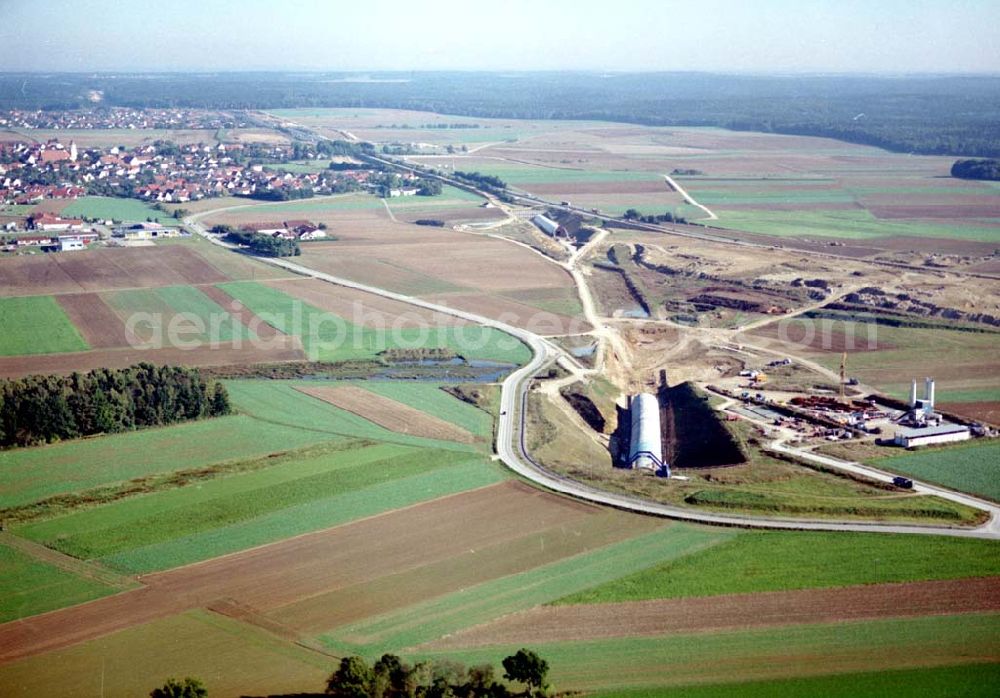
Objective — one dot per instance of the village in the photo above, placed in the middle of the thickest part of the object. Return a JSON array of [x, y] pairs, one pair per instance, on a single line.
[[121, 117]]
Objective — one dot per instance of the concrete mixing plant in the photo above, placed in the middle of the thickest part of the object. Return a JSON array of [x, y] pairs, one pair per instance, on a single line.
[[646, 445]]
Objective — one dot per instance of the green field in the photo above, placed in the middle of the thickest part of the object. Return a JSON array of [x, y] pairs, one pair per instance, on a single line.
[[324, 512], [201, 318], [327, 337], [287, 464], [758, 561], [972, 467], [36, 325], [184, 513], [431, 619], [968, 680], [274, 418], [104, 207], [28, 586], [231, 658], [771, 653], [30, 474], [848, 224]]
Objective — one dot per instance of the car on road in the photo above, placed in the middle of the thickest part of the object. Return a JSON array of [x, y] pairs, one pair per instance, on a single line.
[[904, 482]]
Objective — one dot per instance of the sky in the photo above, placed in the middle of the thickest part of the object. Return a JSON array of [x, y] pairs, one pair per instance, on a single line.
[[748, 36]]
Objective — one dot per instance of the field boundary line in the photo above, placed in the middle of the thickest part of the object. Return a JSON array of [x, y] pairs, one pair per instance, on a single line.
[[82, 568]]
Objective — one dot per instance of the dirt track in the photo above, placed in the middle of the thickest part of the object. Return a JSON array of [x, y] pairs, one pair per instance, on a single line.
[[272, 576], [388, 413], [733, 612]]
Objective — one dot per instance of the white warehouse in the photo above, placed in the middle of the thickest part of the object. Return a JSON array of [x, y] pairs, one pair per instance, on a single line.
[[547, 225], [645, 445]]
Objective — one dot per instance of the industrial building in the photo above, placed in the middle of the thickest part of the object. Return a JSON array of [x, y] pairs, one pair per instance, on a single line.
[[548, 226], [922, 426], [646, 442], [925, 436]]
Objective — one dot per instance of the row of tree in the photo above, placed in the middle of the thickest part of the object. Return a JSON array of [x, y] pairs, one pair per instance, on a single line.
[[42, 409], [666, 217], [389, 677]]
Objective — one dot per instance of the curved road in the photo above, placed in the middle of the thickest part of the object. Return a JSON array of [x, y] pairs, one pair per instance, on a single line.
[[513, 452]]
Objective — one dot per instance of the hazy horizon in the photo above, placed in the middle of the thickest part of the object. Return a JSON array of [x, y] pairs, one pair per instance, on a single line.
[[767, 37]]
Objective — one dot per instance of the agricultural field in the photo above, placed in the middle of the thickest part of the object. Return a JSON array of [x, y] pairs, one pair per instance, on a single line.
[[970, 467], [36, 325], [124, 210], [328, 337], [29, 586], [761, 654], [972, 680], [766, 561]]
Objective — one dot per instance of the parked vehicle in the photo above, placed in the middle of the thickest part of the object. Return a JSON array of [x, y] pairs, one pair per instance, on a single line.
[[904, 482]]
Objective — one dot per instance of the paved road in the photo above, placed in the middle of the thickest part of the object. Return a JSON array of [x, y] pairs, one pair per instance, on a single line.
[[512, 449]]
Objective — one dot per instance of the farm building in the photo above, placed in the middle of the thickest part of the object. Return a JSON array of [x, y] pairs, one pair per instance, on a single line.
[[646, 442], [49, 222], [925, 436], [548, 226]]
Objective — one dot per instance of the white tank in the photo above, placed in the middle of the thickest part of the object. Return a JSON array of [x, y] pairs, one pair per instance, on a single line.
[[645, 445]]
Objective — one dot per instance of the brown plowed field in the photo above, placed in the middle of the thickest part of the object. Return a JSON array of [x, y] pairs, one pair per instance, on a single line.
[[325, 612], [363, 309], [450, 258], [105, 269], [272, 576], [986, 411], [816, 336], [513, 312], [241, 313], [737, 611], [97, 322], [282, 349], [389, 414]]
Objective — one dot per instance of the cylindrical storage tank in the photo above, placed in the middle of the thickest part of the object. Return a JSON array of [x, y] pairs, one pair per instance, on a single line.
[[645, 449]]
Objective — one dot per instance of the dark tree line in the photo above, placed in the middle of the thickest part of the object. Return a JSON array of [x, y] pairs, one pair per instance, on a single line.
[[977, 169], [389, 677], [487, 181], [42, 409], [666, 217]]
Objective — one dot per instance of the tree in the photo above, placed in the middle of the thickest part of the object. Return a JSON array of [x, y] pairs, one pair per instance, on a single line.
[[190, 688], [528, 668], [632, 215], [220, 401], [353, 679]]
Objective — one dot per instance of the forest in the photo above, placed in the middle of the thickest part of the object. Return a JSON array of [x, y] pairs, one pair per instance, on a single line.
[[42, 409], [977, 169], [931, 114]]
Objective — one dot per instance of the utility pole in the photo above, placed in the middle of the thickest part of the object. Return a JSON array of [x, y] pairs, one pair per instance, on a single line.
[[843, 373]]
